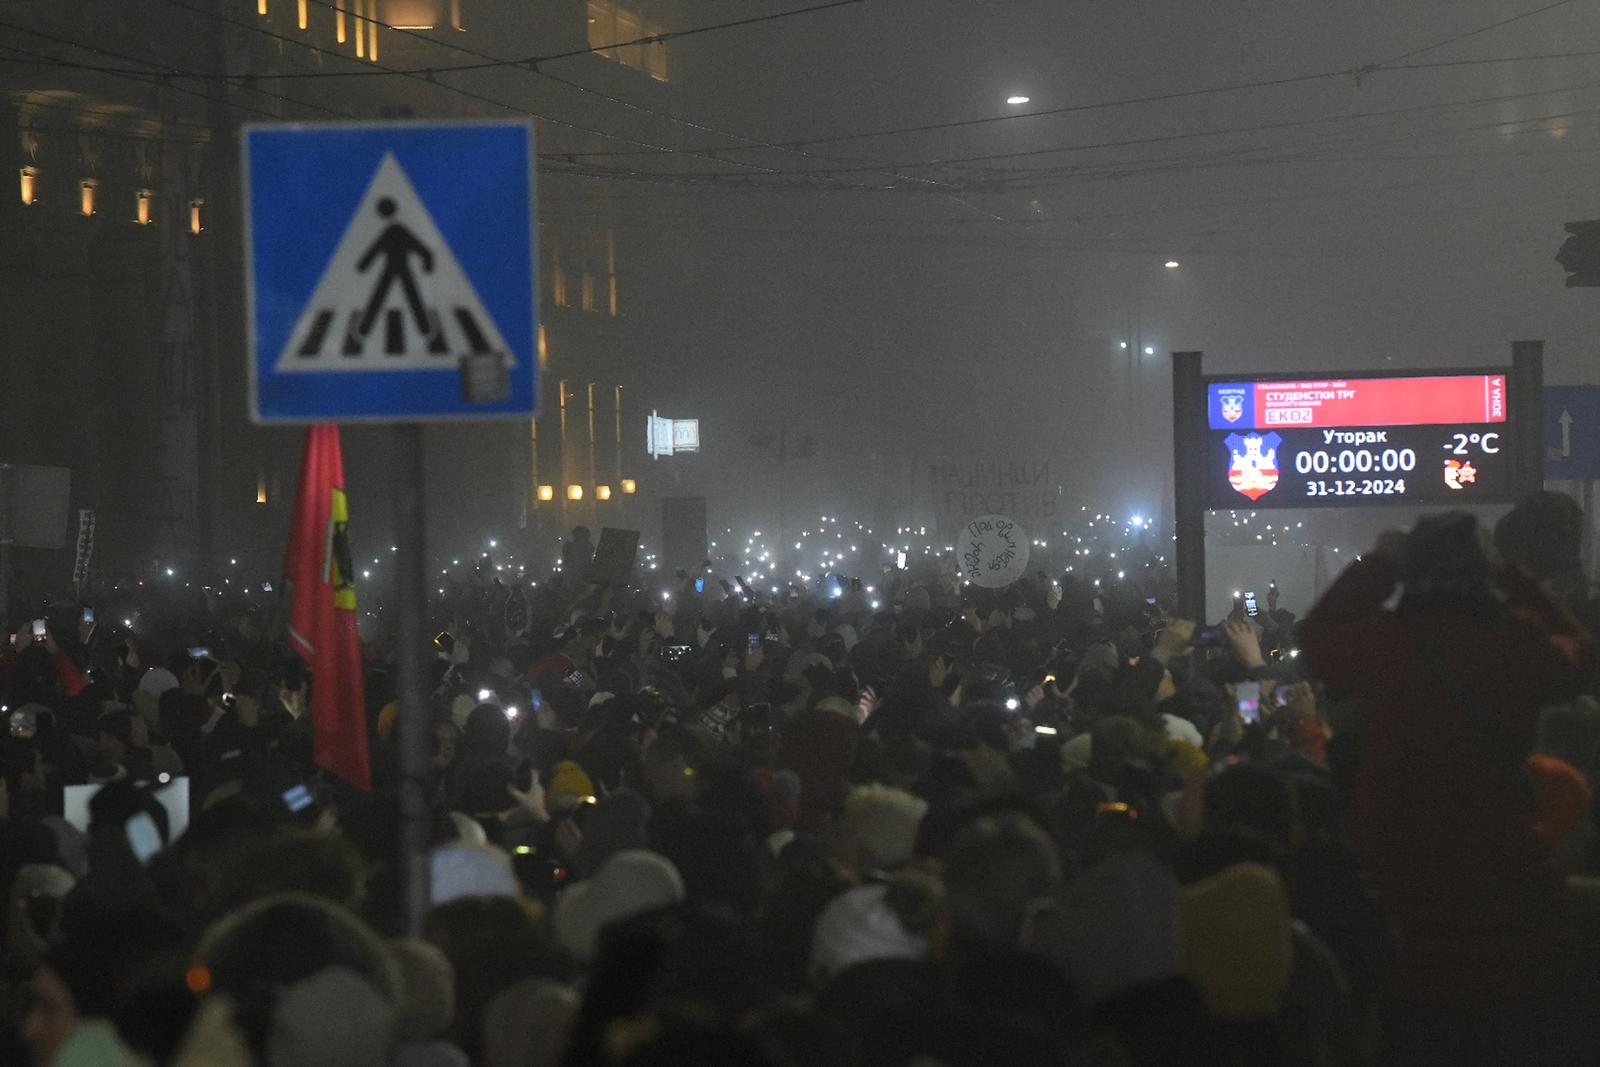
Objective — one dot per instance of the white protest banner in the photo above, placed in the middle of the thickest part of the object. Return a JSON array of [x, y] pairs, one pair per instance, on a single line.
[[992, 552]]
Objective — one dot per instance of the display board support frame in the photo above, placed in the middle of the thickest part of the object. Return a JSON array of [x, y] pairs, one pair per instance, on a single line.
[[1189, 451]]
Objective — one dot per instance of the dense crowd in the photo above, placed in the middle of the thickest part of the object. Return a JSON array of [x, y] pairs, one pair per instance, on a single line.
[[846, 819]]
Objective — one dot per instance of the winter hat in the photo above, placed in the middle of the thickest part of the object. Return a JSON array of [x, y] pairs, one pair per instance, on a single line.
[[334, 1018], [1565, 798], [428, 990], [569, 782], [1236, 944], [1115, 928], [630, 883], [468, 829], [465, 869], [528, 1024], [70, 846], [157, 680], [857, 926]]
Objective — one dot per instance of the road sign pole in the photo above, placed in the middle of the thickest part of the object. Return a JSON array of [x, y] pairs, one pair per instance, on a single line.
[[7, 472], [1586, 556], [1189, 482], [415, 712], [1527, 413]]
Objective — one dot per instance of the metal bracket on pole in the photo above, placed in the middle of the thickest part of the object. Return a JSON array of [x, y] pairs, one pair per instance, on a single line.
[[1188, 482]]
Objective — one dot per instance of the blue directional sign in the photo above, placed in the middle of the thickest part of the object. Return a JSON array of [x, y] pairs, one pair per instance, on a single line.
[[1571, 432], [391, 271]]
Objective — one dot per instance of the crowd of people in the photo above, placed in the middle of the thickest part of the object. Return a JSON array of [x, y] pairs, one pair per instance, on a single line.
[[882, 819]]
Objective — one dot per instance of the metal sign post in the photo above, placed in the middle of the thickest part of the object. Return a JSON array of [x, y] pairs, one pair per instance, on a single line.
[[1189, 482], [415, 723], [391, 273]]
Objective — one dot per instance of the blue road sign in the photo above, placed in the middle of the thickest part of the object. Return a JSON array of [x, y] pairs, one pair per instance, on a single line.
[[1571, 432], [391, 271]]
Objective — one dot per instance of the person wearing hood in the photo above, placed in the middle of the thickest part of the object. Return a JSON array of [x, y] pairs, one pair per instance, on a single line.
[[1444, 815]]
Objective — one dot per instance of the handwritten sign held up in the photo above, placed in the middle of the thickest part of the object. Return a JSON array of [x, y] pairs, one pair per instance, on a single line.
[[992, 552]]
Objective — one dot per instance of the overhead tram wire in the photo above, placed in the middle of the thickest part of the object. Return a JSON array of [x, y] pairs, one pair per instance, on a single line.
[[159, 71], [536, 69], [500, 104], [1135, 141], [1186, 94], [1472, 33], [1336, 140], [381, 71], [160, 81]]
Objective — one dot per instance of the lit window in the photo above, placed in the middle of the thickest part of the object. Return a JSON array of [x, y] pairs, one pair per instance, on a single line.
[[612, 22], [611, 272], [587, 291], [86, 196], [30, 185], [194, 215], [574, 492], [547, 492], [141, 207]]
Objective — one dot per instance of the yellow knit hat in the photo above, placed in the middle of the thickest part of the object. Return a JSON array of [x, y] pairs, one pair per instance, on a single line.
[[568, 782], [1236, 944]]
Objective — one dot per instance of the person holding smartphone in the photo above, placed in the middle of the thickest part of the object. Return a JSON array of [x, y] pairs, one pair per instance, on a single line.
[[35, 655]]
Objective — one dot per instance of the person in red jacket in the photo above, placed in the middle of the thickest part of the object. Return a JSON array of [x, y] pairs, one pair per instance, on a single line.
[[34, 668], [1444, 815]]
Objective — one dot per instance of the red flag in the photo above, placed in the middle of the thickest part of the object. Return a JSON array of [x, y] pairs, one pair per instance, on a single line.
[[322, 612]]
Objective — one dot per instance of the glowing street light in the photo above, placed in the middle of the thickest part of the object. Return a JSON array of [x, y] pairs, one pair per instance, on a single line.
[[1016, 100], [1172, 264]]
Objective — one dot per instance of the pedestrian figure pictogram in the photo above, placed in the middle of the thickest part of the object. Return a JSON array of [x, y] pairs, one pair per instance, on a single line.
[[393, 296], [396, 245]]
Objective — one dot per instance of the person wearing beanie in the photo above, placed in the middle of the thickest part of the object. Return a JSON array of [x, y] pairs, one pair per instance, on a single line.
[[630, 883], [471, 869], [427, 1006], [1565, 803], [1236, 942], [860, 925]]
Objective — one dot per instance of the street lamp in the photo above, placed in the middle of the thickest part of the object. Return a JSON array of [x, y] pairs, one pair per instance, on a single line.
[[1016, 99], [1172, 264]]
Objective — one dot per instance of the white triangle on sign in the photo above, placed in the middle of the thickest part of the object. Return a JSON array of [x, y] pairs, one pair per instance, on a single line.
[[393, 296]]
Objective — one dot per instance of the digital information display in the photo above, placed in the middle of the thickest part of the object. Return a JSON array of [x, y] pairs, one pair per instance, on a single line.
[[1357, 441]]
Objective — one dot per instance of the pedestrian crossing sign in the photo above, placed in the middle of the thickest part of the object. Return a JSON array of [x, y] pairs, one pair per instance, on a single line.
[[391, 270]]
